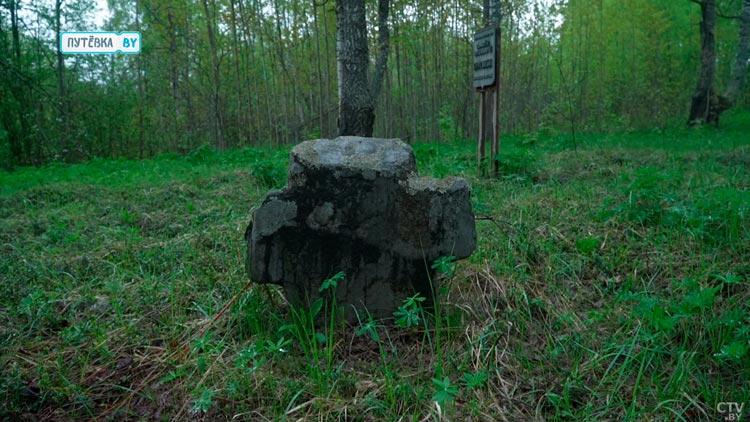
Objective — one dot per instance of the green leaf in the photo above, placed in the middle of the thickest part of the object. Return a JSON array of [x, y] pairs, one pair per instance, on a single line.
[[734, 350], [729, 278], [406, 317], [278, 346], [370, 329], [316, 307], [202, 403], [331, 282], [445, 265], [444, 391], [202, 343], [474, 380], [413, 301], [700, 299], [172, 375]]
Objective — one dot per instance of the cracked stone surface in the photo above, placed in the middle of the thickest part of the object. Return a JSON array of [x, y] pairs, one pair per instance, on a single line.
[[357, 205]]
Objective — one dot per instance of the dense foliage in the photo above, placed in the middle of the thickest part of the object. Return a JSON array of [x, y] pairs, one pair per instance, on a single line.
[[234, 73]]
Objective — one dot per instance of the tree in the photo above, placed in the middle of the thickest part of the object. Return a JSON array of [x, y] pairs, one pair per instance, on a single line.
[[216, 103], [739, 71], [12, 83], [61, 107], [707, 106], [357, 97]]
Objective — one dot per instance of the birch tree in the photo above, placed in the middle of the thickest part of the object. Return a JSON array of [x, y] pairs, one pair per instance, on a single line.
[[357, 94]]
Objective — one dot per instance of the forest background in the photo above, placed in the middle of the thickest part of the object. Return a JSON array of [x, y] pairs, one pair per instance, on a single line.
[[237, 73]]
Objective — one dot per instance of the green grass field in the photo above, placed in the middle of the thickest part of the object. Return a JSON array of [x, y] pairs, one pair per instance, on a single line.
[[611, 282]]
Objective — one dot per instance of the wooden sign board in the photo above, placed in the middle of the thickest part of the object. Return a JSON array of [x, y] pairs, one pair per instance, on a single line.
[[485, 58], [486, 82]]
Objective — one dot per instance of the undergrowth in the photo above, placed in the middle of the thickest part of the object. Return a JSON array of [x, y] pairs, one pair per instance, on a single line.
[[609, 283]]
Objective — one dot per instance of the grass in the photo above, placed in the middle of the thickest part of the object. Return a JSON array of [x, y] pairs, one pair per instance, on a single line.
[[609, 283]]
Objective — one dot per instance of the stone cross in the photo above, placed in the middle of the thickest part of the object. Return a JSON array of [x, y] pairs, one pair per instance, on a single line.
[[357, 205]]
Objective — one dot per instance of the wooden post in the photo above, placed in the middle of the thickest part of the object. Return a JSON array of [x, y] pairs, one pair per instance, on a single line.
[[494, 133], [486, 78], [496, 112], [482, 131]]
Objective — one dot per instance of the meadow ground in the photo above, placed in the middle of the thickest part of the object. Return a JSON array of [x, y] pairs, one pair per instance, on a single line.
[[611, 282]]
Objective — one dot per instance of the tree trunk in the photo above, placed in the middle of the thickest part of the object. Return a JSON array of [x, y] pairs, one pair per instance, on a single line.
[[321, 95], [327, 86], [356, 108], [238, 78], [739, 70], [356, 101], [704, 89], [186, 67], [216, 78], [13, 4], [273, 130], [61, 109], [383, 41], [400, 88], [708, 106], [14, 135], [250, 79], [141, 93]]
